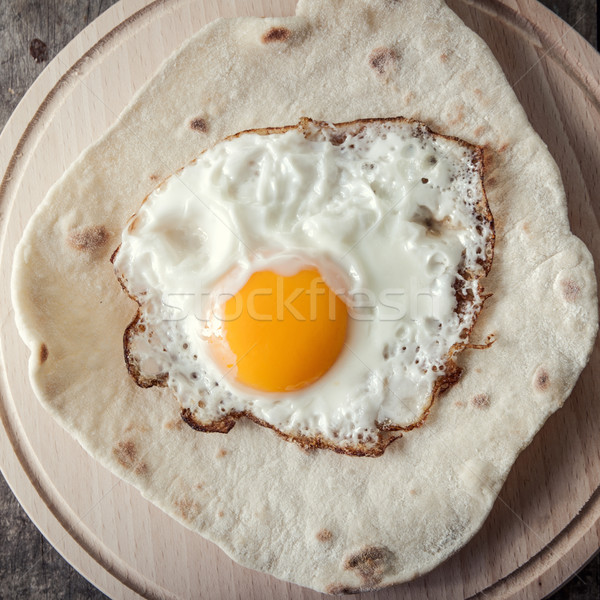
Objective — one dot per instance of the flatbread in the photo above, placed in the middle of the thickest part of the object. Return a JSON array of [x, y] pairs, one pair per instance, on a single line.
[[331, 522]]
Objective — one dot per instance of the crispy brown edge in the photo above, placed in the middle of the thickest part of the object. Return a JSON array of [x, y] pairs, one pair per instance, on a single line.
[[131, 329], [133, 368], [227, 422], [388, 433]]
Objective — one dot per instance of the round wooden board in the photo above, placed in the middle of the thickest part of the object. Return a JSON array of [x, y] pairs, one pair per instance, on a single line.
[[545, 524]]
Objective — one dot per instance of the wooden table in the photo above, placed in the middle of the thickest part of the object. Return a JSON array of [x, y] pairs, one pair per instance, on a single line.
[[29, 566]]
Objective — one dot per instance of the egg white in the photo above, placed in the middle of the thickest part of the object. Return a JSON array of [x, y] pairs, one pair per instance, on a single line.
[[392, 216]]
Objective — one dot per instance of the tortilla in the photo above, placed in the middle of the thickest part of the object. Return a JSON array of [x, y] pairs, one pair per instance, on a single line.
[[331, 522]]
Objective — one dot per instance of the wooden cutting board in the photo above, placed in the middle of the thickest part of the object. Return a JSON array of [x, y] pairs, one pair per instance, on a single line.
[[545, 524]]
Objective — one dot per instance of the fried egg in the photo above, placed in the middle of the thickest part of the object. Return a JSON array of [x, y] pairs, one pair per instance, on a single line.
[[319, 279]]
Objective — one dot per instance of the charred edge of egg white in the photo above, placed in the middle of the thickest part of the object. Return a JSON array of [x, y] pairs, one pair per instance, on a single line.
[[316, 442], [465, 296], [134, 329]]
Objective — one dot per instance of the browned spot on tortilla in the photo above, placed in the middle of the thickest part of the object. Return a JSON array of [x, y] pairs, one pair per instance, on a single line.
[[382, 60], [324, 535], [199, 486], [88, 239], [481, 401], [478, 92], [153, 177], [413, 492], [525, 227], [141, 468], [43, 353], [221, 453], [479, 131], [339, 589], [444, 57], [503, 148], [175, 424], [490, 182], [220, 514], [137, 427], [409, 97], [460, 115], [126, 453], [275, 34], [541, 379], [459, 404], [187, 507], [489, 158], [370, 564], [200, 125], [570, 290]]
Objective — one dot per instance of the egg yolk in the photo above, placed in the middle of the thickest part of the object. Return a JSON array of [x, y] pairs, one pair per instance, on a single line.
[[280, 333]]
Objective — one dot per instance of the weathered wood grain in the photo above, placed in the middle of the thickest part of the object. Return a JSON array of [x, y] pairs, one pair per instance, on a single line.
[[29, 566], [55, 22]]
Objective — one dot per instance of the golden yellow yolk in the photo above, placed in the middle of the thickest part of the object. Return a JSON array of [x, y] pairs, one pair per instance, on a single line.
[[280, 333]]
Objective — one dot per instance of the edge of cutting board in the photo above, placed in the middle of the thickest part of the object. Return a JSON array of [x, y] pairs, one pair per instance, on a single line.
[[23, 469]]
